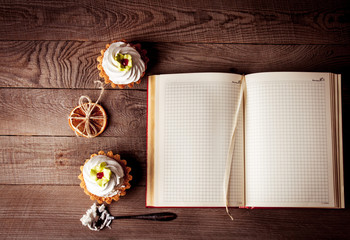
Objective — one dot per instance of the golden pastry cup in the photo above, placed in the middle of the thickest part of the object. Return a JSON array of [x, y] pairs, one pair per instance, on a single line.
[[104, 75], [122, 190]]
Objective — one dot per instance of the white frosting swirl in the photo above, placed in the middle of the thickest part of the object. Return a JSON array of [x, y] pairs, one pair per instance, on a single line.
[[116, 181], [109, 64]]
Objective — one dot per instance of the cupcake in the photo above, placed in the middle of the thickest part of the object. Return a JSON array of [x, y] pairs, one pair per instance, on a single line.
[[122, 64], [105, 177]]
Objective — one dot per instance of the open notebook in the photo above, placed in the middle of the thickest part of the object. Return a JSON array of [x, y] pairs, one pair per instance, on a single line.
[[287, 147]]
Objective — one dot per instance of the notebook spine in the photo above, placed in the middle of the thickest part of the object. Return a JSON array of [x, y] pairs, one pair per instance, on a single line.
[[245, 207]]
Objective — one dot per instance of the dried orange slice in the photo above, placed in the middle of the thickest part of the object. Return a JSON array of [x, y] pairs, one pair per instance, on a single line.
[[96, 122]]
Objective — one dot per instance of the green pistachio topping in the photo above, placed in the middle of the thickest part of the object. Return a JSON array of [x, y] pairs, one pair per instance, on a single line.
[[101, 174], [123, 61]]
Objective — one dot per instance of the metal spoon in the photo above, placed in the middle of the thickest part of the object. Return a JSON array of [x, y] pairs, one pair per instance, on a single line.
[[103, 219]]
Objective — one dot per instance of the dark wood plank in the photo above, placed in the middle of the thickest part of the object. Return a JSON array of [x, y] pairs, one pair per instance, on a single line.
[[57, 160], [53, 212], [51, 64], [71, 64], [45, 111], [243, 21]]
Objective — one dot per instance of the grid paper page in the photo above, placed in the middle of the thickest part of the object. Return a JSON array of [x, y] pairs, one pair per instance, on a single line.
[[287, 153], [196, 126]]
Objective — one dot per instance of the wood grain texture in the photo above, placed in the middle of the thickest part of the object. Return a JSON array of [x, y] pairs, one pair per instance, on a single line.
[[53, 212], [57, 160], [51, 64], [72, 64], [45, 112], [243, 21], [48, 52]]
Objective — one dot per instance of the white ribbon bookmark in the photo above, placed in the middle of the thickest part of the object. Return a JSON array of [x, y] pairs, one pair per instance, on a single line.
[[231, 147]]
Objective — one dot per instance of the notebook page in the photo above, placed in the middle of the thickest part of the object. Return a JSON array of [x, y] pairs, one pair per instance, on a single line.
[[194, 125], [288, 140]]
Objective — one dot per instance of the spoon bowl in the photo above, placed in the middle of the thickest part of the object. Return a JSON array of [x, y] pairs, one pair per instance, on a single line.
[[98, 217]]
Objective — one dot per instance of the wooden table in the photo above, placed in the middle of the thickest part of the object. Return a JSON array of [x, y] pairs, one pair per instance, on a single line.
[[48, 52]]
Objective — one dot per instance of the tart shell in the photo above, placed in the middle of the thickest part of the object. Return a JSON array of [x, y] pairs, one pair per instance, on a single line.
[[104, 75], [122, 191]]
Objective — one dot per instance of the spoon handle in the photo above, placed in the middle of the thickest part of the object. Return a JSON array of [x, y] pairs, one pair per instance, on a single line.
[[165, 216]]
